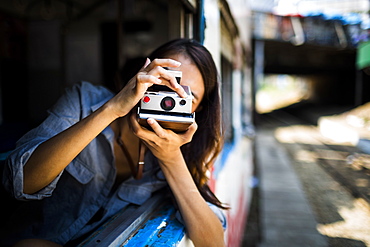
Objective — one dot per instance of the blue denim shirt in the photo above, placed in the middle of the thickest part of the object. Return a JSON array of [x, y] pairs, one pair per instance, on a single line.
[[63, 210]]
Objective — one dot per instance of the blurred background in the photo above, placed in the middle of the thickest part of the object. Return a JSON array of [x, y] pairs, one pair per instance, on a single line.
[[321, 65], [311, 116], [295, 88]]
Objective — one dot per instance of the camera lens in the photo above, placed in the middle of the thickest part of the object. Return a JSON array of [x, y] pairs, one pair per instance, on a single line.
[[167, 103]]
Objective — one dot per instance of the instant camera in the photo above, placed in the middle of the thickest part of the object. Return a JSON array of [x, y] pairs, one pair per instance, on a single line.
[[167, 107]]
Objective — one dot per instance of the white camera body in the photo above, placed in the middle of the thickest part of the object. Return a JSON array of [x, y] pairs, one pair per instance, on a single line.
[[167, 107]]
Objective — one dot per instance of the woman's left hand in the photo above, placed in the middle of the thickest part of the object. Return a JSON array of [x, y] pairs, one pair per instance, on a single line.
[[163, 143]]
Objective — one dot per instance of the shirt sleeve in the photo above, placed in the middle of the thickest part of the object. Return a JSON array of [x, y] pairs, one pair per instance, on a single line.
[[218, 212], [64, 113]]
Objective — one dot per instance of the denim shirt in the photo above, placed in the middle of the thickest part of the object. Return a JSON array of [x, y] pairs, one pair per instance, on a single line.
[[64, 209]]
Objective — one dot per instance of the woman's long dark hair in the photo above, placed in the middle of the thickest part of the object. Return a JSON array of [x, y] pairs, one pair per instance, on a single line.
[[202, 151], [206, 144]]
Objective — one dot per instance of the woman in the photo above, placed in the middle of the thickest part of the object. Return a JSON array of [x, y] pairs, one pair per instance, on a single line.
[[75, 167]]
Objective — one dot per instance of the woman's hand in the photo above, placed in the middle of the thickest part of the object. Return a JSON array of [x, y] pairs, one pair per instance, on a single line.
[[203, 226], [163, 143], [151, 73]]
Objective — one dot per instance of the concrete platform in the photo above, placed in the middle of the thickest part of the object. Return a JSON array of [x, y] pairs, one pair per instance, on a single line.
[[286, 217]]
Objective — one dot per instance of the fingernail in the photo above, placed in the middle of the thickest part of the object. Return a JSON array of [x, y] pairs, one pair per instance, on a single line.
[[147, 62], [177, 63], [159, 81], [150, 121]]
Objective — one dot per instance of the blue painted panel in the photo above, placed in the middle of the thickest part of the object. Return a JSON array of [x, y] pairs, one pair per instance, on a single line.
[[219, 165], [162, 229]]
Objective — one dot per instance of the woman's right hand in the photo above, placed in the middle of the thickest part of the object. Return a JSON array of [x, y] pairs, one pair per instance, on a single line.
[[151, 73]]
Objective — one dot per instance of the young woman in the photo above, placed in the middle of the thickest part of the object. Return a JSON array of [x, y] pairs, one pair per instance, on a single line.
[[74, 169]]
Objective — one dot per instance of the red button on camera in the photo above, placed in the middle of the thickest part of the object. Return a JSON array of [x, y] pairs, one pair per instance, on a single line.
[[146, 99]]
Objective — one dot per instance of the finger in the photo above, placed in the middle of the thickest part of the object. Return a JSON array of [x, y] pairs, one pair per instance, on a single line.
[[147, 62], [193, 128], [162, 62], [158, 130], [168, 79], [146, 78], [188, 135], [137, 129], [142, 132], [135, 125], [180, 91]]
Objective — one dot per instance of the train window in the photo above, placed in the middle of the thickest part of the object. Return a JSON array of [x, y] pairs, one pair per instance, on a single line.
[[189, 31], [145, 25], [226, 94], [181, 16]]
